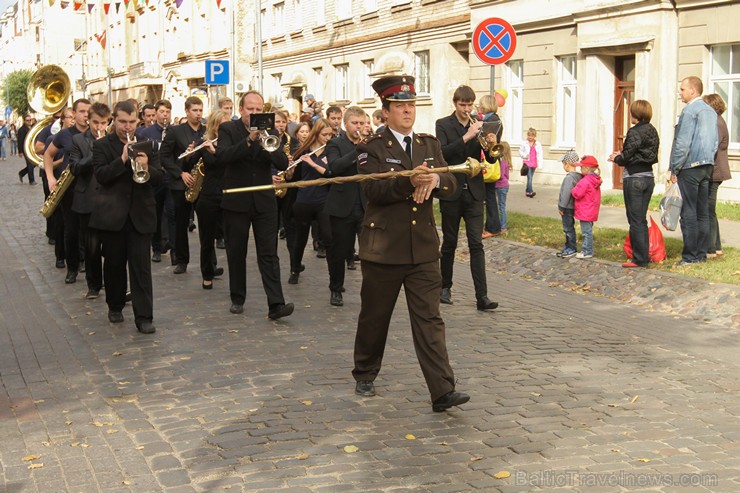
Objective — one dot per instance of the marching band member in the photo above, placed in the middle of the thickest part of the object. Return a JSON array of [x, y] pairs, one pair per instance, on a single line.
[[55, 223], [156, 133], [247, 163], [309, 202], [63, 143], [334, 115], [86, 190], [148, 117], [343, 204], [125, 213], [208, 206], [179, 139]]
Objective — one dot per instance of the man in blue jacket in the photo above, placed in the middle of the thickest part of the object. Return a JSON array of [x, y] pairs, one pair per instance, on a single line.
[[692, 160]]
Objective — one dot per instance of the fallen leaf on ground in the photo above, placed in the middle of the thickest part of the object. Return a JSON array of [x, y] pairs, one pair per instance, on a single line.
[[111, 431], [502, 475], [253, 410], [74, 444], [91, 333], [234, 331], [31, 457], [634, 399], [350, 449], [68, 423], [84, 445], [302, 457], [473, 459], [307, 403], [38, 465], [126, 482], [117, 353], [644, 460], [410, 437], [185, 357]]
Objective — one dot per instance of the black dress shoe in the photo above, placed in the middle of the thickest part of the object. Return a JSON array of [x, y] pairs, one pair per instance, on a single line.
[[156, 257], [146, 327], [221, 244], [293, 279], [207, 286], [445, 296], [365, 388], [484, 304], [71, 277], [351, 265], [301, 268], [341, 290], [61, 264], [236, 308], [321, 252], [280, 311], [173, 257], [92, 294], [115, 317], [336, 299], [218, 271], [449, 400], [181, 269]]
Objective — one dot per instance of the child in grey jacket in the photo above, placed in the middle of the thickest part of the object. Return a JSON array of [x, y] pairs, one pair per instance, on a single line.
[[566, 204]]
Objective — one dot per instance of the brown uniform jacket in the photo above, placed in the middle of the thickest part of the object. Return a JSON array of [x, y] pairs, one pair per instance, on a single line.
[[396, 230]]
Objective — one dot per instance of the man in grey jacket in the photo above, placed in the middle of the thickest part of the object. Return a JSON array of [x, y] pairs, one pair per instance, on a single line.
[[691, 164]]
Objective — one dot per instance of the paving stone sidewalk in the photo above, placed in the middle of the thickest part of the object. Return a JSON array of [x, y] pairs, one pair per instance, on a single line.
[[569, 391]]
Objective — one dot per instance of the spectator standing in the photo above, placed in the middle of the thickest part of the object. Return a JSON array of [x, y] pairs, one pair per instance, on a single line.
[[566, 203], [502, 186], [587, 193], [692, 158], [4, 136], [13, 140], [720, 173], [531, 153]]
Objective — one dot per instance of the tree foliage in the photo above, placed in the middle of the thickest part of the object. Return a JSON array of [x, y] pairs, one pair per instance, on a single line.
[[14, 90]]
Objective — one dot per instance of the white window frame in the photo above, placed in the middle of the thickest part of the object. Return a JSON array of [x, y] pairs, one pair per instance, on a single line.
[[343, 9], [341, 82], [278, 19], [371, 6], [368, 67], [423, 78], [297, 24], [732, 80], [514, 131], [276, 93], [319, 9], [566, 110], [318, 83]]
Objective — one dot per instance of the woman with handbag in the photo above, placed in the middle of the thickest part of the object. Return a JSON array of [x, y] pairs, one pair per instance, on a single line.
[[487, 108]]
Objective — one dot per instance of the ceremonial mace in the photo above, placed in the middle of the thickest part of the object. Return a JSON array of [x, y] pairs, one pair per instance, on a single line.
[[470, 167]]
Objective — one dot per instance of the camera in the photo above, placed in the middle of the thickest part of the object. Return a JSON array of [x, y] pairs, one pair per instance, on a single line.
[[261, 121]]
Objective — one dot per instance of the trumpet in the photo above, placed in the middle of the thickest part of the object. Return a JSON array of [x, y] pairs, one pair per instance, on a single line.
[[196, 148], [141, 173]]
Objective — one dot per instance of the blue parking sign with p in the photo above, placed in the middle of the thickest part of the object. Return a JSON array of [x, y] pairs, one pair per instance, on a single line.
[[217, 72]]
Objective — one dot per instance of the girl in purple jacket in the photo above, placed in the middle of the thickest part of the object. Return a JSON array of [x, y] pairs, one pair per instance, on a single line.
[[587, 195]]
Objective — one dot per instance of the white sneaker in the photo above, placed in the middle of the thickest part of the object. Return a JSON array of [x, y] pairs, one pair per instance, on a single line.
[[584, 255]]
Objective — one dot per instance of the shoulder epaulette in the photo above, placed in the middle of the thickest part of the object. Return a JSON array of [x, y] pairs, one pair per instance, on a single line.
[[371, 138], [427, 135]]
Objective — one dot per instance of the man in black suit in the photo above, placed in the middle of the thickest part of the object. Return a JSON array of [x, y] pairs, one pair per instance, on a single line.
[[86, 189], [343, 205], [247, 163], [125, 214], [181, 138], [458, 137], [28, 170]]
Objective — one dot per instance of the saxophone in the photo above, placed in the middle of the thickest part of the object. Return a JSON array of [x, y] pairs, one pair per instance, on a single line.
[[55, 197], [280, 192], [191, 194]]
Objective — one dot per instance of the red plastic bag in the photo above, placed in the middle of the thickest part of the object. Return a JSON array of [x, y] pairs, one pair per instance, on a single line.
[[656, 250]]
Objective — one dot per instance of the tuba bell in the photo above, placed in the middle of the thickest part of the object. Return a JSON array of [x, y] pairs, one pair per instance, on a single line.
[[47, 92]]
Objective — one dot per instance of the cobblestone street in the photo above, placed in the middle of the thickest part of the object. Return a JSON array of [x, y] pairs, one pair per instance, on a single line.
[[568, 391]]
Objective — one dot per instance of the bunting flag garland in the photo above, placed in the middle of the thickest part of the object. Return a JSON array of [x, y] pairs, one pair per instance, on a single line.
[[118, 6], [90, 6], [178, 3], [197, 5], [106, 7], [64, 5], [218, 3], [125, 2], [102, 38], [78, 5], [51, 3], [136, 4]]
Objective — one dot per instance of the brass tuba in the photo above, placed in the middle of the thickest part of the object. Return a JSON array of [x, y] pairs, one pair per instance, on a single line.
[[48, 92]]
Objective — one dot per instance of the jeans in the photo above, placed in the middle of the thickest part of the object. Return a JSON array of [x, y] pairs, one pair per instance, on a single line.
[[493, 221], [637, 193], [694, 186], [587, 231], [530, 175], [3, 148], [715, 244], [501, 199], [569, 228]]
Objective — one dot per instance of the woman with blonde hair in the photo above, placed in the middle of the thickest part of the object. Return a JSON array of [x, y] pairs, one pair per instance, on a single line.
[[487, 109], [208, 206]]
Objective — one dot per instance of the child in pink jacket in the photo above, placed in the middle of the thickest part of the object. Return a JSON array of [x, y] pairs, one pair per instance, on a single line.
[[587, 195]]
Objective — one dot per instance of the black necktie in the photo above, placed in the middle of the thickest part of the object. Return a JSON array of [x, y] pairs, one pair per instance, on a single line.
[[407, 141]]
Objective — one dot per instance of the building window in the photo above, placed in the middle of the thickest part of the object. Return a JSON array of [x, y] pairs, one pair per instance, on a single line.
[[366, 89], [275, 93], [513, 132], [264, 28], [318, 84], [725, 81], [566, 101], [421, 72], [278, 19], [319, 9], [297, 16], [341, 73], [343, 9], [371, 6]]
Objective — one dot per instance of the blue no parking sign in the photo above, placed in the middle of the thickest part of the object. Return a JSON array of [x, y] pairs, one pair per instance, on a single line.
[[217, 72], [494, 41]]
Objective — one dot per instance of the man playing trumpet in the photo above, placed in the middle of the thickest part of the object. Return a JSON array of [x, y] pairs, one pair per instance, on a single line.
[[125, 214]]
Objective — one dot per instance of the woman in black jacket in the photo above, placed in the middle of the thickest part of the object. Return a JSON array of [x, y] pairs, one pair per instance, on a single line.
[[639, 153]]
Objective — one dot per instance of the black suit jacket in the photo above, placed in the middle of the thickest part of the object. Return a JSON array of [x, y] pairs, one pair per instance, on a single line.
[[246, 164], [119, 196], [81, 165], [175, 142], [450, 134], [341, 155]]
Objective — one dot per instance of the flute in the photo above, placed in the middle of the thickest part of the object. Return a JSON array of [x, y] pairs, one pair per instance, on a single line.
[[196, 149]]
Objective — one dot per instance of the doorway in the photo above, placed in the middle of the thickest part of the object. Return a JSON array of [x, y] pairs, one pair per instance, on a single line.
[[624, 94]]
